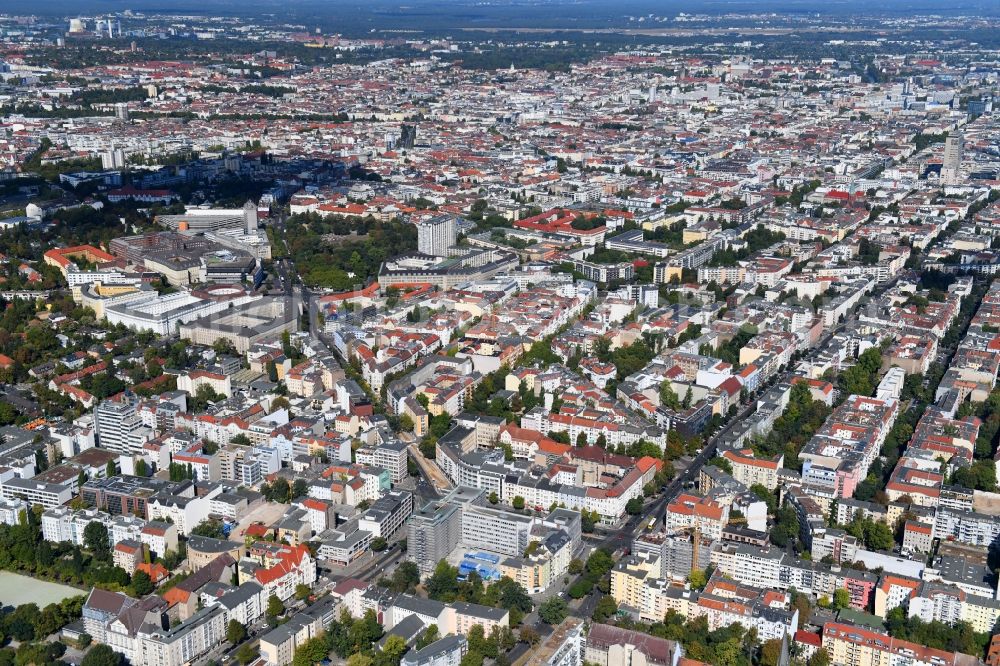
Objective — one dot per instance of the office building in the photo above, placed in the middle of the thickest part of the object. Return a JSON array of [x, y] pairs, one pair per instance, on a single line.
[[387, 514], [244, 325], [496, 530], [407, 137], [390, 456], [48, 495], [128, 495], [436, 235], [164, 314], [446, 273], [952, 164], [119, 427], [213, 219], [436, 529]]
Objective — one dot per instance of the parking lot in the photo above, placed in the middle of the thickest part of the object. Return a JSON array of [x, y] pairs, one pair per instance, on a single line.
[[266, 513]]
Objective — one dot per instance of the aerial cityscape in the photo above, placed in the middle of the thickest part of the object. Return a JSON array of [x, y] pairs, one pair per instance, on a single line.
[[511, 333]]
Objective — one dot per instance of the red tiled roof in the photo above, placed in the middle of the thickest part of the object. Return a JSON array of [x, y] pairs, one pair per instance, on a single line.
[[290, 558], [156, 571], [64, 256], [808, 638], [256, 530]]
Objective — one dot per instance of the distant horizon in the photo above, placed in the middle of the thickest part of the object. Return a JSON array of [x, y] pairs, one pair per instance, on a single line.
[[632, 21], [474, 12]]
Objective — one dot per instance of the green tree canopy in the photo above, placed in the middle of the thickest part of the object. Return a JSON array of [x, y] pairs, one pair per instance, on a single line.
[[101, 655], [275, 607], [235, 632], [553, 610]]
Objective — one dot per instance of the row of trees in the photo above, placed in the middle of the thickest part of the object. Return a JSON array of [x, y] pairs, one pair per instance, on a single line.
[[801, 419], [733, 645], [862, 377], [627, 360], [23, 550], [27, 622], [981, 474], [592, 573], [919, 390], [347, 637], [757, 239], [283, 492], [959, 637], [729, 351]]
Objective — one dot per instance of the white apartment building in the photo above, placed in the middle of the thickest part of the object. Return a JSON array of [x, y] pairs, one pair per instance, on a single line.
[[343, 546], [48, 495], [183, 644], [292, 566], [62, 524], [192, 381], [10, 510], [390, 456], [495, 530], [969, 527], [159, 537], [447, 651], [246, 604], [185, 513], [387, 514], [119, 428], [564, 647], [750, 470], [436, 235]]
